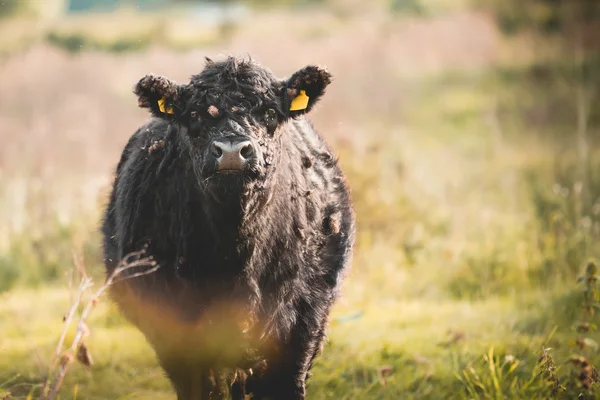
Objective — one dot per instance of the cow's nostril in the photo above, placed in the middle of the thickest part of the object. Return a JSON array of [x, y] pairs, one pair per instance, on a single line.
[[247, 151], [216, 150]]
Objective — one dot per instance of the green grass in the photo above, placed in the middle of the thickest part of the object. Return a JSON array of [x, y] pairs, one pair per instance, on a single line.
[[432, 349]]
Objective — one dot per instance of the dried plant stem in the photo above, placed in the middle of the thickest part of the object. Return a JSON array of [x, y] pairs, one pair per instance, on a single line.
[[83, 285], [86, 283], [64, 365]]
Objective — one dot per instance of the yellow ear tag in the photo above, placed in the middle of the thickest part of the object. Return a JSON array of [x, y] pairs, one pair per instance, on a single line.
[[161, 107], [300, 102]]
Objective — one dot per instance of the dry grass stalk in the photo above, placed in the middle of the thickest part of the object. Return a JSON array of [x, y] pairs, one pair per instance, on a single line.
[[66, 357]]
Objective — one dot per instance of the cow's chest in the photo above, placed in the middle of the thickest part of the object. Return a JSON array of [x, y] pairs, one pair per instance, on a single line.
[[184, 328]]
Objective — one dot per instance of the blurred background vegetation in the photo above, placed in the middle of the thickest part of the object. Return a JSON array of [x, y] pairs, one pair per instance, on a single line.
[[470, 134]]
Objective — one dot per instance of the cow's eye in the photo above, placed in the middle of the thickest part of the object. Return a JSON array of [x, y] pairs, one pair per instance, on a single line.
[[270, 118]]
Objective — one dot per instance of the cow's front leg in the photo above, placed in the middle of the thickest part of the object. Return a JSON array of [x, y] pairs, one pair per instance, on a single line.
[[288, 362], [191, 382]]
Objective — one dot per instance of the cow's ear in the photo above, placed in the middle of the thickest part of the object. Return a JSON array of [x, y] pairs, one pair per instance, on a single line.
[[304, 89], [164, 98]]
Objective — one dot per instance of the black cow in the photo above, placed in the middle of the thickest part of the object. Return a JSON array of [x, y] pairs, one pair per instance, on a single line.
[[244, 208]]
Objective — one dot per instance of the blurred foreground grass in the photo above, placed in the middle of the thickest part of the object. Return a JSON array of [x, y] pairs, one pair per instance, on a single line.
[[476, 214]]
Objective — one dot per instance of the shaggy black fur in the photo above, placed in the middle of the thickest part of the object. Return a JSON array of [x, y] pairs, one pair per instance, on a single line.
[[250, 262]]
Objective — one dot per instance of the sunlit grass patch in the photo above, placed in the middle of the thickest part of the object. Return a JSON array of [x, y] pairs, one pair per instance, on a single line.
[[391, 348]]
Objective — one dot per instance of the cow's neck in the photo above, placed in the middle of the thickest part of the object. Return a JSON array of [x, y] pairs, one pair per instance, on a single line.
[[225, 217], [237, 221]]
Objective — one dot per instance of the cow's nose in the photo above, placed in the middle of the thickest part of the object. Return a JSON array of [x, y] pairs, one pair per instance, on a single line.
[[231, 156]]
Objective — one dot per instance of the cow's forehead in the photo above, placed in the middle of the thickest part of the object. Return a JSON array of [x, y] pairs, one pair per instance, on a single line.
[[235, 98], [235, 85]]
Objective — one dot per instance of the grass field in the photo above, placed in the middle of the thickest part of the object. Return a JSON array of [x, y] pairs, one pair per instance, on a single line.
[[476, 212]]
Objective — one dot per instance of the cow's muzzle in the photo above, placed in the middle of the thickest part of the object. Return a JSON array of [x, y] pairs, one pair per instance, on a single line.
[[232, 156]]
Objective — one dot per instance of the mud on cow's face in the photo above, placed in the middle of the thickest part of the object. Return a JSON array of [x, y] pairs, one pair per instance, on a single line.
[[233, 114]]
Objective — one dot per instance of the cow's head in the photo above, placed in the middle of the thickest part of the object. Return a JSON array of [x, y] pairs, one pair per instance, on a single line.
[[233, 114]]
